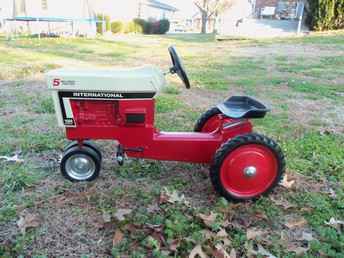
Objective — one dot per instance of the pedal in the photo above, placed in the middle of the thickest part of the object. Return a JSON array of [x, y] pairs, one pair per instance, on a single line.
[[120, 155]]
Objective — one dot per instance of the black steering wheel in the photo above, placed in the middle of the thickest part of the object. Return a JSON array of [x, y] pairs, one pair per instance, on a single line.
[[178, 67]]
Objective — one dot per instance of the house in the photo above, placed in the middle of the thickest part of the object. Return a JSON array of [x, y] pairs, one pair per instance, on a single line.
[[131, 9], [153, 9], [283, 9], [262, 18], [62, 17]]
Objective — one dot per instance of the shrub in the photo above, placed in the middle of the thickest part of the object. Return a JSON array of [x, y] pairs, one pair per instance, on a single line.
[[325, 14], [152, 27], [164, 26], [117, 27], [100, 23], [141, 25]]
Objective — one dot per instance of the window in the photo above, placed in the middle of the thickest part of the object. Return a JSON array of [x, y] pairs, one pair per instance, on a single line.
[[44, 4]]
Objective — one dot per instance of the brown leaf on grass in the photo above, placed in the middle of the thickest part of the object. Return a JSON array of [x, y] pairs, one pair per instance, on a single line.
[[121, 213], [253, 233], [173, 246], [222, 233], [286, 183], [167, 196], [220, 252], [208, 220], [117, 237], [232, 254], [293, 222], [261, 215], [197, 252], [28, 220], [259, 250], [223, 237]]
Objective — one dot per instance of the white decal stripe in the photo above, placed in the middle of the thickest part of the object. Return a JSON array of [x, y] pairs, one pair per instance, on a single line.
[[68, 108]]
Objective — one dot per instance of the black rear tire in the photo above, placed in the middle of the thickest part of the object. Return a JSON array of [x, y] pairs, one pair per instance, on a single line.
[[234, 144], [205, 117]]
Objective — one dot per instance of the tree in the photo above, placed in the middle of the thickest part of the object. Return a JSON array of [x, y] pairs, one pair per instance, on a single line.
[[211, 8]]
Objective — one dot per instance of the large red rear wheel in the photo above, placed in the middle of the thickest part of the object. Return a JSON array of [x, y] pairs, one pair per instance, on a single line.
[[247, 167], [210, 121]]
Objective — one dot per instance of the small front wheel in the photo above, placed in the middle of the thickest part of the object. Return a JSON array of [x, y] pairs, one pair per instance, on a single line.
[[247, 167], [80, 164]]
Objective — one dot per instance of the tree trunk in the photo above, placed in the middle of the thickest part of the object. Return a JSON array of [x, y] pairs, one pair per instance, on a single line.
[[204, 22]]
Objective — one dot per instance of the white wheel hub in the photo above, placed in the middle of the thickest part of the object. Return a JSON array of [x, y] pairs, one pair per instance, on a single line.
[[80, 167], [250, 171]]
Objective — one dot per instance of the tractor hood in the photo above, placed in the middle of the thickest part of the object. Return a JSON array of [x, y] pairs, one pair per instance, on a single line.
[[137, 80]]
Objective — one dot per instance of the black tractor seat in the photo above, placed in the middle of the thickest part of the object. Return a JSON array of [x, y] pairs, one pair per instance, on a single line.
[[238, 107]]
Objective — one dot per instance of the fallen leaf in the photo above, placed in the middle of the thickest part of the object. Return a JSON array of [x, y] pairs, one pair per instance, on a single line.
[[28, 220], [197, 252], [232, 254], [121, 213], [286, 183], [298, 250], [222, 233], [306, 237], [172, 197], [106, 217], [253, 233], [337, 224], [208, 220], [153, 208], [293, 222], [223, 237], [259, 251], [220, 252], [15, 158], [118, 237], [332, 193], [173, 246]]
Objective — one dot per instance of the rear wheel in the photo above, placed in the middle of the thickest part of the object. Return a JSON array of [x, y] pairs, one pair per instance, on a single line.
[[80, 164], [209, 121], [247, 167]]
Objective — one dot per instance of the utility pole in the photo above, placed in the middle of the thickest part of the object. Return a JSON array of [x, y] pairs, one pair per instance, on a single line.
[[139, 10]]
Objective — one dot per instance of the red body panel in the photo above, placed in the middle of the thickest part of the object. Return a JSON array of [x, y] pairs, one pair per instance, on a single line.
[[104, 119]]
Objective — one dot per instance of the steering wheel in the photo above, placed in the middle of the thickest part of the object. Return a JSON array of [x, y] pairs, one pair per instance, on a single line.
[[178, 67]]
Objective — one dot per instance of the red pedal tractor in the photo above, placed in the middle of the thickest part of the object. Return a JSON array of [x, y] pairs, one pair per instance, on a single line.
[[119, 105]]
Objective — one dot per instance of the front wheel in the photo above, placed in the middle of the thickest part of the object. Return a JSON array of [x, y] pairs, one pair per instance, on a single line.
[[80, 164], [247, 167]]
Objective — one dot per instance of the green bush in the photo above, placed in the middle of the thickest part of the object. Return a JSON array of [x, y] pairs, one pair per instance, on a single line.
[[141, 25], [164, 26], [100, 18], [325, 14], [117, 27], [152, 27]]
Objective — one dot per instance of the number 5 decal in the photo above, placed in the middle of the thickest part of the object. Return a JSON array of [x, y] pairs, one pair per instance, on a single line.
[[56, 82]]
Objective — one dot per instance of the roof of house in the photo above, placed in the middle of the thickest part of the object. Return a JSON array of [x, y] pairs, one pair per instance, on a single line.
[[161, 5]]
